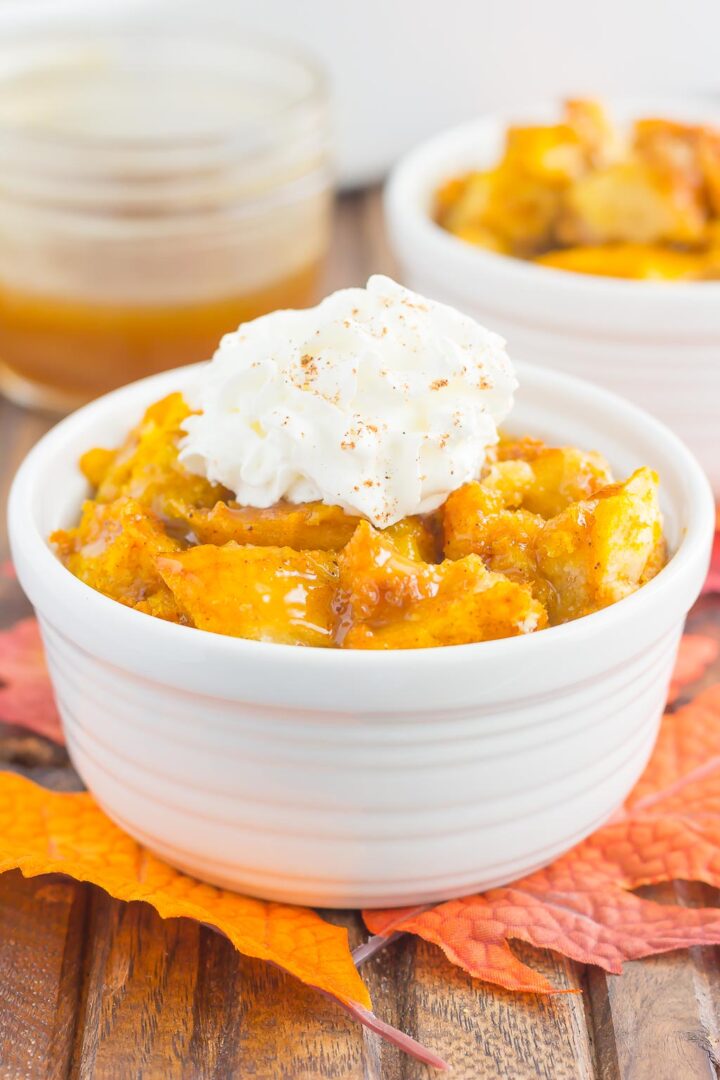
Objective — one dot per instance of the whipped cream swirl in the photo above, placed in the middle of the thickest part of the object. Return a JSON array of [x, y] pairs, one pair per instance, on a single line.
[[376, 400]]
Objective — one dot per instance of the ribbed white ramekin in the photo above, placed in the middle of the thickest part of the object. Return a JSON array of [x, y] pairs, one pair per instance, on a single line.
[[657, 343], [347, 778]]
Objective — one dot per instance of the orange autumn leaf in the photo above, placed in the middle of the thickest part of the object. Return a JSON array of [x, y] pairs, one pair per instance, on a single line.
[[581, 905], [43, 832], [26, 696], [696, 653]]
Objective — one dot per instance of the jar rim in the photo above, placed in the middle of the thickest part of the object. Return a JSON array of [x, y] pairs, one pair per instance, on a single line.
[[230, 114], [32, 51]]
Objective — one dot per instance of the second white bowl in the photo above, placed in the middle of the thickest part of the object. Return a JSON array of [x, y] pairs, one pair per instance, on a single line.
[[658, 343]]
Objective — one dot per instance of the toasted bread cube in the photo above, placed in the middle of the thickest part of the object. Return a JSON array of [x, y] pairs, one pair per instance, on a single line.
[[671, 146], [468, 510], [476, 523], [416, 537], [592, 552], [95, 465], [601, 549], [373, 574], [465, 513], [594, 129], [307, 526], [522, 212], [648, 262], [448, 195], [518, 211], [263, 593], [552, 153], [508, 482], [632, 201], [113, 549], [525, 448], [146, 467], [386, 601], [563, 475], [463, 201]]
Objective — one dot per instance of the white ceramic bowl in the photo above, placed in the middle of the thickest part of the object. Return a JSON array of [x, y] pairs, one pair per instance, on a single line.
[[657, 343], [348, 778]]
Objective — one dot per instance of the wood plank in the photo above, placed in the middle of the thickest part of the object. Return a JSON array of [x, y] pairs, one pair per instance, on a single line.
[[484, 1033], [171, 999], [41, 949], [659, 1019], [380, 259], [359, 242], [489, 1034], [348, 258], [656, 1026]]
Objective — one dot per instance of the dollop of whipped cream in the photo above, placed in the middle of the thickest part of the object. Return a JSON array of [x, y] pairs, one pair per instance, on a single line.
[[376, 400]]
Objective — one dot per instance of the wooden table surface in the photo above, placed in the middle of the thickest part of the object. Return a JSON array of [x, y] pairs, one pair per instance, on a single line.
[[93, 988]]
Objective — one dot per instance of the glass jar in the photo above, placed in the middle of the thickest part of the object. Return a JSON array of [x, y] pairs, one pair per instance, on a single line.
[[156, 190]]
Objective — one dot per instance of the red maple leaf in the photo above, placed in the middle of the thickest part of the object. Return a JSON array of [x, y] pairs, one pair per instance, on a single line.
[[26, 696], [582, 905]]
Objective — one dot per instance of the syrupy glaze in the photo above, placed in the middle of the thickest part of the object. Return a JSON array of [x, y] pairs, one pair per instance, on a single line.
[[62, 353]]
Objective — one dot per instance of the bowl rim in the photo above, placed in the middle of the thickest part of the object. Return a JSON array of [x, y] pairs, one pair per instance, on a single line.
[[682, 573], [417, 173]]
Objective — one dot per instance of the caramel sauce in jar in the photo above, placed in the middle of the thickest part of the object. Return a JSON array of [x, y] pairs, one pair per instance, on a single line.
[[157, 189]]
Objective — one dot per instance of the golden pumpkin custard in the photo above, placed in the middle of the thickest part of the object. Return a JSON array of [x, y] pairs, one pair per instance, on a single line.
[[544, 536], [354, 492], [581, 195]]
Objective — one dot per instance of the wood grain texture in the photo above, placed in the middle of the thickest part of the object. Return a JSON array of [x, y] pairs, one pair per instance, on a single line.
[[92, 989], [172, 999], [662, 1013], [41, 949], [486, 1033]]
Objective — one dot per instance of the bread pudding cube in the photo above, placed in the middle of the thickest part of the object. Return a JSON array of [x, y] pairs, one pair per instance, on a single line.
[[632, 201], [522, 448], [594, 129], [387, 601], [468, 510], [476, 522], [601, 549], [416, 537], [307, 526], [514, 212], [113, 549], [554, 154], [146, 467], [671, 146], [594, 551], [262, 593], [563, 475]]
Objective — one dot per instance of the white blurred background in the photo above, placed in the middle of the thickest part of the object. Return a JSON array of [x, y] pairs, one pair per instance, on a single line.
[[403, 69]]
